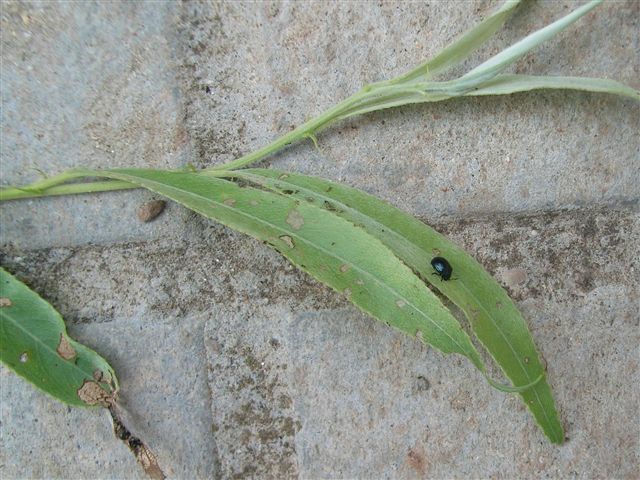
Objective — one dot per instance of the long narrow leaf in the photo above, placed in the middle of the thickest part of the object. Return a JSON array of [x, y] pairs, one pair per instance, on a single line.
[[507, 84], [500, 85], [34, 343], [464, 46], [494, 318], [331, 249], [499, 62]]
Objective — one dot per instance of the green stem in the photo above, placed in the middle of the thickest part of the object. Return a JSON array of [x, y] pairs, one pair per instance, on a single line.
[[373, 94], [412, 87], [306, 130], [370, 94], [12, 193], [56, 180]]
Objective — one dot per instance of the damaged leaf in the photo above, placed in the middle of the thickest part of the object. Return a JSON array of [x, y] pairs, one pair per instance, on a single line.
[[493, 316], [336, 252], [34, 343], [142, 453], [331, 249]]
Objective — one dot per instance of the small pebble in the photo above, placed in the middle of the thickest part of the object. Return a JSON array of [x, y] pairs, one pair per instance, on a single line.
[[515, 277], [150, 210]]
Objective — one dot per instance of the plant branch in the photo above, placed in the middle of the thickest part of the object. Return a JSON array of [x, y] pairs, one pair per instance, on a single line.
[[14, 193], [414, 86]]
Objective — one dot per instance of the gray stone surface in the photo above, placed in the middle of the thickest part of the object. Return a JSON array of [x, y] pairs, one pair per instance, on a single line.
[[232, 363], [239, 365], [87, 85]]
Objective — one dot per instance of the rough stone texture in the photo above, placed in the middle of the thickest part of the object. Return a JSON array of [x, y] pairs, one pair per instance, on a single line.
[[243, 366], [478, 155], [92, 85], [232, 363]]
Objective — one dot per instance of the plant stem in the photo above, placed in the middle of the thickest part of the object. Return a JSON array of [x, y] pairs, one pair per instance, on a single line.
[[412, 87], [371, 95], [306, 130], [12, 193]]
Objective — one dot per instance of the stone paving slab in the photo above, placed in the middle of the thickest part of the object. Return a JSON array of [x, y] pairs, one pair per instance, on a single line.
[[87, 84], [244, 367], [270, 374]]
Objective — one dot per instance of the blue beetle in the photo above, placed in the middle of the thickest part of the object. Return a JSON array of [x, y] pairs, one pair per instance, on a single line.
[[442, 268]]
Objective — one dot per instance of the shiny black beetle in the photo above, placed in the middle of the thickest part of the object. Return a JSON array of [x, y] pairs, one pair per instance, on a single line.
[[442, 268]]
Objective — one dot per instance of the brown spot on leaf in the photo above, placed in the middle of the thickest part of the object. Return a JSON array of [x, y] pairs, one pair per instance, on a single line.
[[93, 394], [65, 350], [344, 267], [400, 303], [97, 375], [331, 207], [288, 240], [498, 305], [419, 335], [150, 210], [359, 282], [5, 302], [436, 251], [24, 356], [229, 202], [347, 292], [295, 219]]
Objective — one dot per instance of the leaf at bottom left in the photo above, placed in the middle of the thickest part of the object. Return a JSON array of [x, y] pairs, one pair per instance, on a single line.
[[34, 343]]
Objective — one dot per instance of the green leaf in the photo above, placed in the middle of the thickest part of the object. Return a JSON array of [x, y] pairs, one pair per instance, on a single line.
[[502, 60], [493, 316], [331, 249], [34, 343], [461, 48], [507, 84], [414, 87]]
